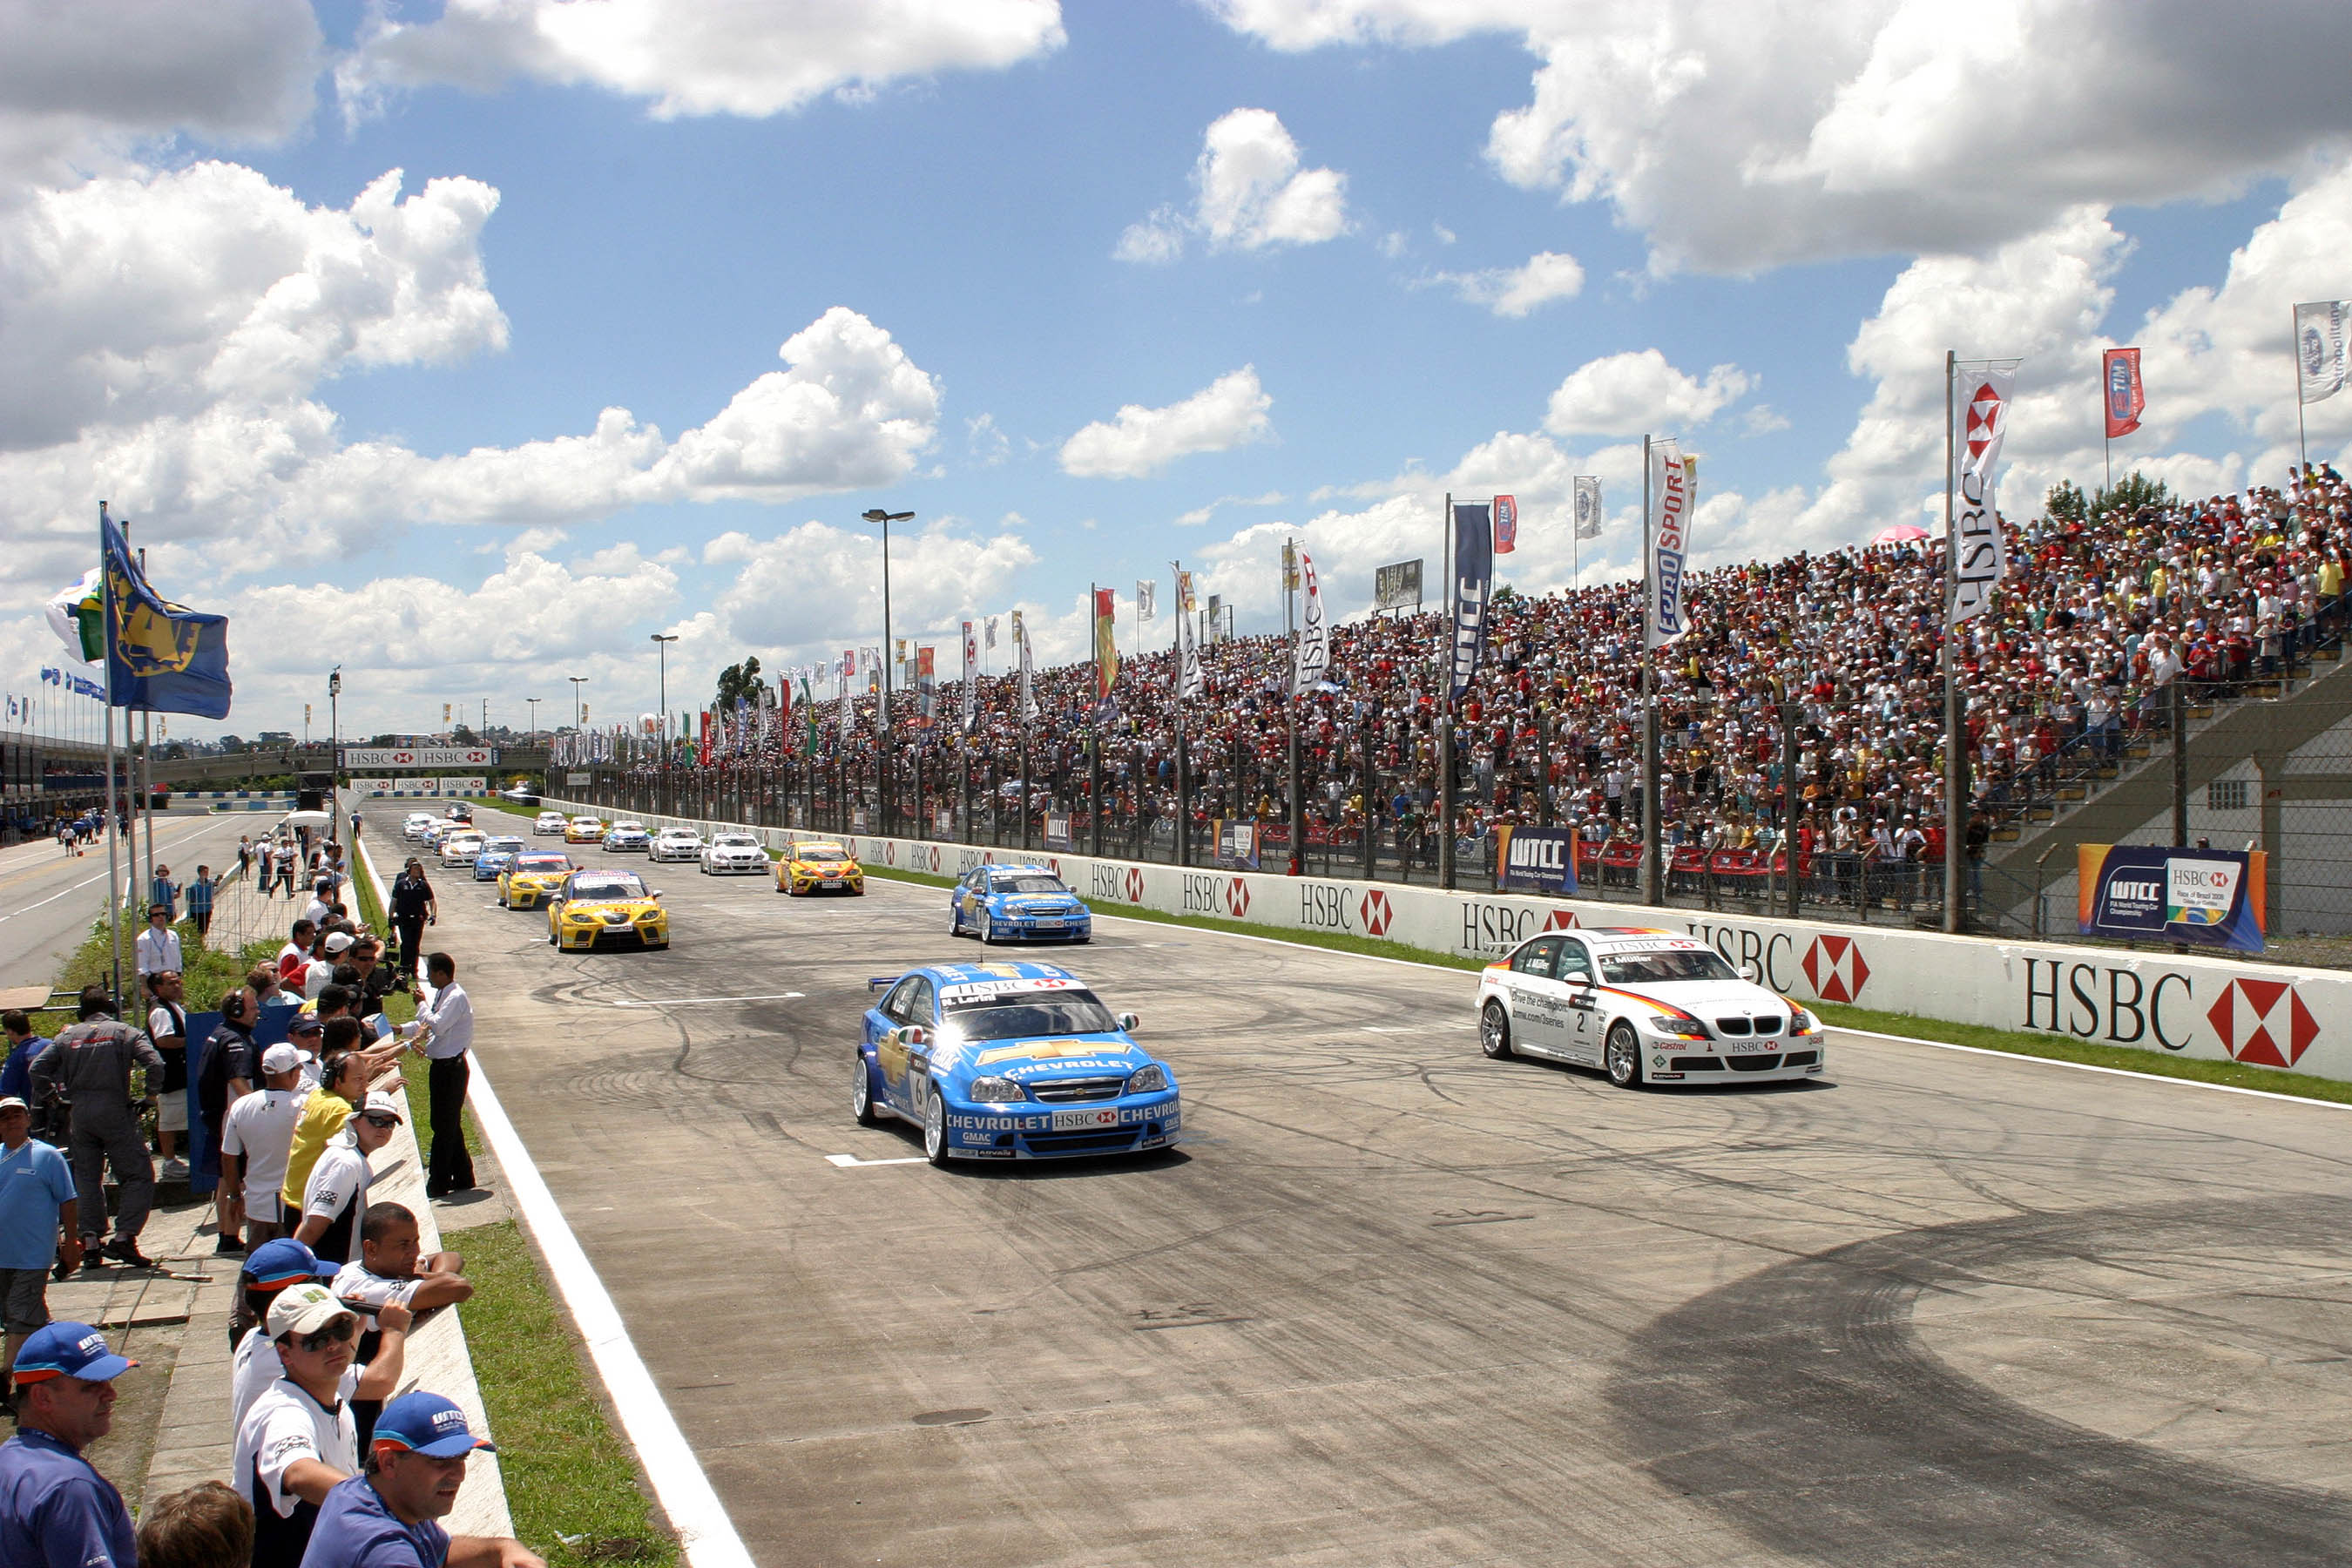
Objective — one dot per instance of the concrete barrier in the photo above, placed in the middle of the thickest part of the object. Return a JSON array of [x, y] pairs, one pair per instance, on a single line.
[[2210, 1008]]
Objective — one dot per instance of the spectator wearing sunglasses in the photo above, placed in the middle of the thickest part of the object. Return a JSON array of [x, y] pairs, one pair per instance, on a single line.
[[299, 1441], [334, 1197]]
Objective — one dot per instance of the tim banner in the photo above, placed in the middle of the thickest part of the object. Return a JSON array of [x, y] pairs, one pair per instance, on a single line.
[[2212, 898], [1474, 575], [1535, 859], [1506, 525], [1396, 585], [2126, 398], [1236, 845]]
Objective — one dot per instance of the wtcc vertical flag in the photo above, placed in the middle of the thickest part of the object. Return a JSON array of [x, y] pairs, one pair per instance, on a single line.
[[1670, 525], [1980, 553], [1106, 642], [1506, 525], [971, 676], [1314, 654], [1474, 575], [2126, 396]]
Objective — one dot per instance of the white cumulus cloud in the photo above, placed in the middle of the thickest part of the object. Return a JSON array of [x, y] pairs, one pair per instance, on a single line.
[[1228, 413], [1630, 392], [695, 56], [1547, 276], [1249, 193]]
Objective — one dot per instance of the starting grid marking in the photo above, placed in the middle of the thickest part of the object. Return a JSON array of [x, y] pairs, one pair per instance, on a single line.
[[700, 1001]]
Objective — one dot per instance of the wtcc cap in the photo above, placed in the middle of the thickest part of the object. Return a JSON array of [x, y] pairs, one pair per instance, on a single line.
[[426, 1423], [285, 1262], [69, 1349]]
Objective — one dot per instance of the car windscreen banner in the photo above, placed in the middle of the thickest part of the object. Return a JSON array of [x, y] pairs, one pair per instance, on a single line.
[[1236, 845], [1535, 859], [2212, 898]]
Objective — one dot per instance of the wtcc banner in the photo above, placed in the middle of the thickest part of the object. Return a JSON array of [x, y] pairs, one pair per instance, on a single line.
[[1536, 859], [2213, 897], [1474, 575], [1670, 523]]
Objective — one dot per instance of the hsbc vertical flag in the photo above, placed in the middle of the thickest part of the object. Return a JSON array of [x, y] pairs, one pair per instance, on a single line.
[[2126, 396], [1314, 659], [1670, 525], [1474, 575], [1506, 525], [1978, 553]]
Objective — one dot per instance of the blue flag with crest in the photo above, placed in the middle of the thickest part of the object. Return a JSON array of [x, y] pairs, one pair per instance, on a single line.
[[159, 657]]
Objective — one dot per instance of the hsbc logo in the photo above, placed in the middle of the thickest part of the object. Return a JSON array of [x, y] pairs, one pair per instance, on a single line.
[[1834, 968], [1135, 884], [1106, 881], [1203, 894], [1560, 920], [1237, 898], [1324, 906], [2263, 1022], [1377, 913]]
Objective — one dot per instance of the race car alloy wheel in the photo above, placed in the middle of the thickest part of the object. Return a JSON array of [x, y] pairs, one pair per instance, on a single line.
[[955, 920], [861, 1091], [935, 1125], [987, 929], [1624, 1056], [1495, 1031]]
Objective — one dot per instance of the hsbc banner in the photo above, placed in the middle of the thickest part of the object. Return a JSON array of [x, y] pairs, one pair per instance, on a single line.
[[1537, 859], [2213, 897], [357, 757], [2216, 1008]]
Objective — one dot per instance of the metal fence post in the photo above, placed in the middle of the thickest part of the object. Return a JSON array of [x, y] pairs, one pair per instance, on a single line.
[[2179, 762]]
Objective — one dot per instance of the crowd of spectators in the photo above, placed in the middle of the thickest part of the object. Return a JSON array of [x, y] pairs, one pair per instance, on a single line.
[[2097, 616]]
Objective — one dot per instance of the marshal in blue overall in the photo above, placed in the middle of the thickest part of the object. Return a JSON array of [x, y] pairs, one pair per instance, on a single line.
[[1009, 1062]]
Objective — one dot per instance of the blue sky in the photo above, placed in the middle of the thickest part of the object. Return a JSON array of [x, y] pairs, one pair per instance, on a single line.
[[374, 422]]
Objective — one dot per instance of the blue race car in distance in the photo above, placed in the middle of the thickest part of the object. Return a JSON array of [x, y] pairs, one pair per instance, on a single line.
[[1018, 903], [1009, 1062], [497, 858]]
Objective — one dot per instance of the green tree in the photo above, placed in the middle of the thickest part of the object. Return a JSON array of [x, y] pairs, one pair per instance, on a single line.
[[2130, 493], [2066, 503], [739, 681]]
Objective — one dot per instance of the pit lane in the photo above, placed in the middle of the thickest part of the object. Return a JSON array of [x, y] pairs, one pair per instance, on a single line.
[[1397, 1304]]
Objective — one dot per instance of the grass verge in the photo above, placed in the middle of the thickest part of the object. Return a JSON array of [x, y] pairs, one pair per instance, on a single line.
[[571, 1482], [2058, 1048], [210, 971]]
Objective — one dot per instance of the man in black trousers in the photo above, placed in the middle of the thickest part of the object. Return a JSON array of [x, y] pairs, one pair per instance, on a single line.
[[411, 910], [444, 1033]]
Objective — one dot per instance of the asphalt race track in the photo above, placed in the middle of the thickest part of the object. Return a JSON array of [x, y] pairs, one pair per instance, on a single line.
[[1394, 1303]]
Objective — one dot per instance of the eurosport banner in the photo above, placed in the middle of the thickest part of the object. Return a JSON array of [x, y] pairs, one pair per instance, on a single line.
[[2212, 898], [1506, 525], [1670, 523], [1976, 545], [1236, 845], [1536, 859], [1314, 658], [2319, 368], [2126, 398], [1588, 506], [1474, 575]]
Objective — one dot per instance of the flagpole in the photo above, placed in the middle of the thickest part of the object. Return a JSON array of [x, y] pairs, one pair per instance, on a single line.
[[1955, 829], [113, 912]]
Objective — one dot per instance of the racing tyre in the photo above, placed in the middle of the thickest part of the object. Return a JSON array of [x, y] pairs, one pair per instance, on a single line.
[[1495, 1031], [1623, 1057], [861, 1092], [955, 921], [987, 929], [935, 1125]]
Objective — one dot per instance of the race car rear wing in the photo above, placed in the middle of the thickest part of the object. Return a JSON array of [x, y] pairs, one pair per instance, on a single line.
[[881, 982]]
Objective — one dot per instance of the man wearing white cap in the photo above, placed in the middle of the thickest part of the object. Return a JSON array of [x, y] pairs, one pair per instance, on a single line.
[[298, 1440], [254, 1145], [335, 1195]]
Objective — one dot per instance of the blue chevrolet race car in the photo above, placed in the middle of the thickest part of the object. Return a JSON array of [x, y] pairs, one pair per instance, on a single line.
[[1009, 1062], [1018, 903], [497, 858]]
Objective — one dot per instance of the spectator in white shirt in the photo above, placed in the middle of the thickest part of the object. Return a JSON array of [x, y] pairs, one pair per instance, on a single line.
[[444, 1033], [158, 947]]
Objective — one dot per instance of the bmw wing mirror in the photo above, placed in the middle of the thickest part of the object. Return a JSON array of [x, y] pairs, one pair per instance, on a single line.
[[1128, 1023], [1748, 972]]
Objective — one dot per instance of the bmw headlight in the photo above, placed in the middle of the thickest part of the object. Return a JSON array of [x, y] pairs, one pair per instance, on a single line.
[[1152, 1079], [1680, 1028], [997, 1091], [1801, 1022]]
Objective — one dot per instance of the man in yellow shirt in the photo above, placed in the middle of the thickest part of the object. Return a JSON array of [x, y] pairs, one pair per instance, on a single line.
[[340, 1092]]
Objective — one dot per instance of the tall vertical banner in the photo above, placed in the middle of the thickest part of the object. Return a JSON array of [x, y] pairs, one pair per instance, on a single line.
[[1312, 661], [1190, 681], [1028, 689], [1588, 506], [1147, 601], [808, 719], [971, 676], [2126, 398], [2319, 368], [992, 634], [159, 657], [848, 703], [1670, 524], [927, 682], [1977, 549], [1474, 575], [1506, 525], [1106, 643]]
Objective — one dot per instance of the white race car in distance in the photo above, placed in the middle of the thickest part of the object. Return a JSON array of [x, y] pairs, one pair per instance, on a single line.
[[676, 844], [549, 822], [734, 852], [1644, 1006]]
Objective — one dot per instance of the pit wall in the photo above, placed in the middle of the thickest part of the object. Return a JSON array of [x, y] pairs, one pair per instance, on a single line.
[[2215, 1008]]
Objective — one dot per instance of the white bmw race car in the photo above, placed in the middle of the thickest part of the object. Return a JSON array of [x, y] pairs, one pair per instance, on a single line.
[[732, 853], [1644, 1006], [676, 844]]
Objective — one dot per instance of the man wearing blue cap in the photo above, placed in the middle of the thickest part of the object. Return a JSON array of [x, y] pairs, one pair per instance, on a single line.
[[386, 1517], [55, 1511]]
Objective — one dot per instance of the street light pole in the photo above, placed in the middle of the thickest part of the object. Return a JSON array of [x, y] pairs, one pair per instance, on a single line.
[[889, 652], [334, 754], [661, 667], [533, 704], [577, 682]]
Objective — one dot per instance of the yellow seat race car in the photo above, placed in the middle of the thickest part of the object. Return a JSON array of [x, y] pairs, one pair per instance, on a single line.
[[593, 907], [533, 878], [583, 830], [816, 866]]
